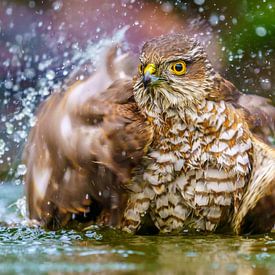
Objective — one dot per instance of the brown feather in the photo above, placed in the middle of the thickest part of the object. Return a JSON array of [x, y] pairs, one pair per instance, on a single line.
[[257, 211], [85, 171], [258, 111]]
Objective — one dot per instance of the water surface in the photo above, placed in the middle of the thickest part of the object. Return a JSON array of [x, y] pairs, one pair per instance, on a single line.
[[26, 250]]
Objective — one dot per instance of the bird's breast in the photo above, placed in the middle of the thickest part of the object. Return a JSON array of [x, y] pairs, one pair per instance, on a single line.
[[198, 170]]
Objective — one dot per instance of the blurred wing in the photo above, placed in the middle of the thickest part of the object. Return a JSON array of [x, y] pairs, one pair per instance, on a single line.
[[79, 159], [257, 211]]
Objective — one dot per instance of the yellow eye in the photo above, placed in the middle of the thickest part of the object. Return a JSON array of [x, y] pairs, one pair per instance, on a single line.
[[178, 68], [140, 68]]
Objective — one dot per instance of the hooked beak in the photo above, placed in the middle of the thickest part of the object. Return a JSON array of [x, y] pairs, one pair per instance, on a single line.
[[148, 75]]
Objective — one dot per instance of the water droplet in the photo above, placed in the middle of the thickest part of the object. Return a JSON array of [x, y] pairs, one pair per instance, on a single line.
[[234, 21], [21, 170], [50, 75], [9, 11], [10, 128], [261, 31], [257, 70], [17, 182], [57, 5], [199, 2], [265, 83], [29, 73], [2, 147], [222, 17], [214, 20], [260, 54], [8, 84], [167, 7]]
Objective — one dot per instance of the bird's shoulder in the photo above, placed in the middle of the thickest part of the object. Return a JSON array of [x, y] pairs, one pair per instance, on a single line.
[[256, 111]]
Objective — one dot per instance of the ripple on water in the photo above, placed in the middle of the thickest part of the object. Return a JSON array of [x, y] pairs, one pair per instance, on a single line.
[[28, 250]]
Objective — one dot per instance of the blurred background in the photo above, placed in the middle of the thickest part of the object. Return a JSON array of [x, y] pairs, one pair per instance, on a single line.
[[45, 43]]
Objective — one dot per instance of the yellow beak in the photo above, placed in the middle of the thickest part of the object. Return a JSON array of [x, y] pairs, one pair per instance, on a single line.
[[148, 75], [150, 68]]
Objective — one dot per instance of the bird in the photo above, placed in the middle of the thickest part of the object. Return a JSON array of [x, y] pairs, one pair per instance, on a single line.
[[175, 147]]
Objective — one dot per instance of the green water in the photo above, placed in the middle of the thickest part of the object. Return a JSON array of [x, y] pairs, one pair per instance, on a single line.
[[25, 250]]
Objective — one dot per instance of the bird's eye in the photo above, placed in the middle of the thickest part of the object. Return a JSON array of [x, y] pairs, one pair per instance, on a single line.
[[140, 68], [178, 68]]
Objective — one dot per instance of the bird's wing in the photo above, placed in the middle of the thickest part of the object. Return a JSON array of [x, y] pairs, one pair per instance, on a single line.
[[258, 111], [125, 130], [257, 210], [260, 114], [225, 90], [79, 158]]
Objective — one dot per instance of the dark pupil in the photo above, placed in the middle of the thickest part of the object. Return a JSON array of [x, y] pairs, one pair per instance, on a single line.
[[178, 67]]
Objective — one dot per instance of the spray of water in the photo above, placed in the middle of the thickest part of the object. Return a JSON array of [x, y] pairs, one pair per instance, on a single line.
[[16, 125]]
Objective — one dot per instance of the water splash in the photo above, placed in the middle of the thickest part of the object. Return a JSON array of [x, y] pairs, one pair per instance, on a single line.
[[80, 64]]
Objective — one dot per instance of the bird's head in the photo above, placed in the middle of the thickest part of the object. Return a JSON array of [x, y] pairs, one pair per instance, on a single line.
[[174, 72]]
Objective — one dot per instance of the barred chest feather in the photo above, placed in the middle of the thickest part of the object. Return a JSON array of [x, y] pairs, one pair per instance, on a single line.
[[195, 172]]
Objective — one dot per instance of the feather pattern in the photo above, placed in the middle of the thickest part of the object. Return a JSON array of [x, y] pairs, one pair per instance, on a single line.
[[205, 186]]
